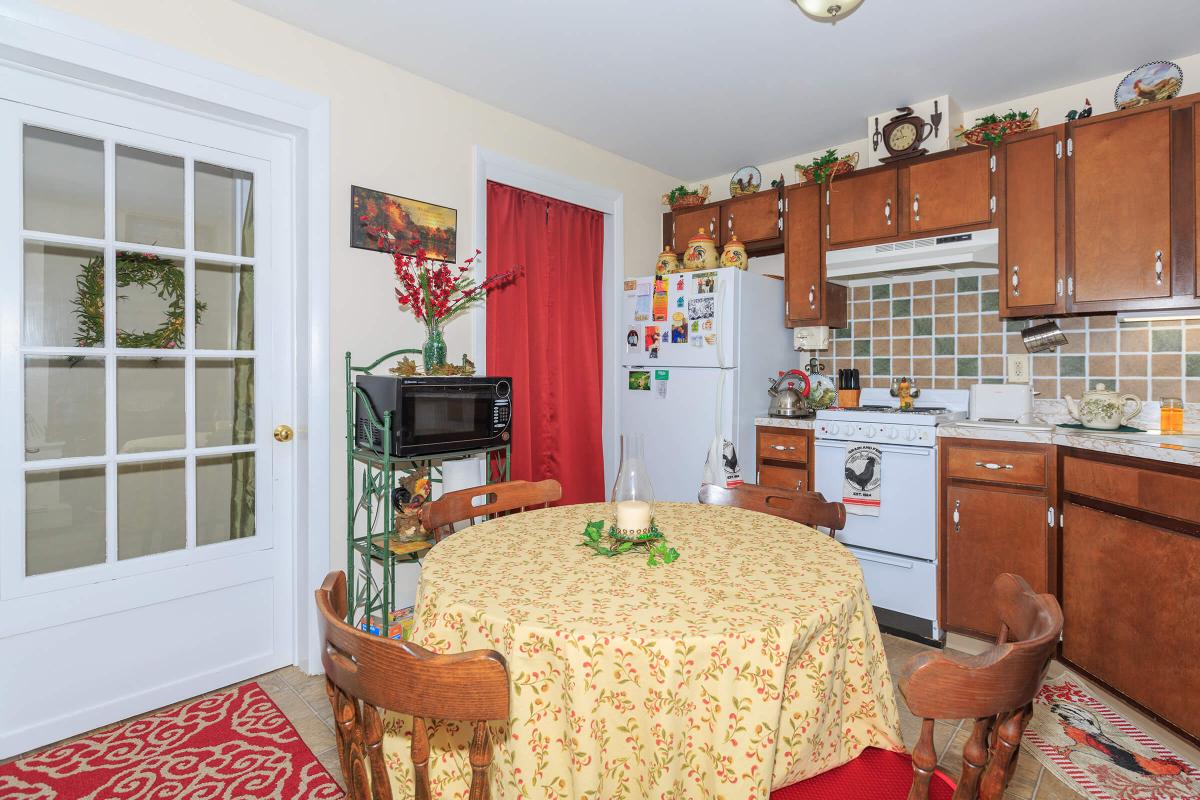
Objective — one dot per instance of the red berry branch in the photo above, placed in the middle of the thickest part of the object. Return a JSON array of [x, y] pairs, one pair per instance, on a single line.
[[434, 290]]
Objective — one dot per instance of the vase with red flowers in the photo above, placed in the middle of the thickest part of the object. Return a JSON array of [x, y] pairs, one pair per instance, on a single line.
[[435, 291]]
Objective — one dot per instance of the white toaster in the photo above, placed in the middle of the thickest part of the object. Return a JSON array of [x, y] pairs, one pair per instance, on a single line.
[[1002, 402]]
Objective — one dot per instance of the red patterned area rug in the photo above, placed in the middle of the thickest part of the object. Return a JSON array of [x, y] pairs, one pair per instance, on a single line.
[[1100, 753], [236, 745]]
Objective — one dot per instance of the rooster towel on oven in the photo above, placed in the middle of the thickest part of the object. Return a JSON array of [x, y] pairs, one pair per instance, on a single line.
[[864, 477]]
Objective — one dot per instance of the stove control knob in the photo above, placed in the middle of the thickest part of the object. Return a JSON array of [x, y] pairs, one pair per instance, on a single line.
[[830, 428], [893, 433], [913, 434], [870, 432]]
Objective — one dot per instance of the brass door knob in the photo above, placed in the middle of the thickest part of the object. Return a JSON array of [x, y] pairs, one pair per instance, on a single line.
[[283, 433]]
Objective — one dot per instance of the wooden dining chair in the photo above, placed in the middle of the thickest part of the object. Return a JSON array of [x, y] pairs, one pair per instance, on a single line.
[[807, 508], [365, 673], [995, 688], [440, 516]]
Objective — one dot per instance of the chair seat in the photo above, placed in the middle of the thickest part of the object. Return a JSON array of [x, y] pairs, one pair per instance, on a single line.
[[875, 775]]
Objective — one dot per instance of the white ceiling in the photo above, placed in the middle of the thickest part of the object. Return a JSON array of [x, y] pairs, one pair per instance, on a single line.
[[697, 88]]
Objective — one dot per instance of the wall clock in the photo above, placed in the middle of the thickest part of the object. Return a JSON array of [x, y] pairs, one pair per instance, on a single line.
[[903, 135]]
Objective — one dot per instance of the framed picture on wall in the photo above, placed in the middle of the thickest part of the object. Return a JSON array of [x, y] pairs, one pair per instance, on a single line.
[[434, 227]]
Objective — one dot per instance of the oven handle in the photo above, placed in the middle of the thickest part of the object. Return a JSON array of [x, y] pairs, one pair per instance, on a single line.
[[882, 560], [923, 452]]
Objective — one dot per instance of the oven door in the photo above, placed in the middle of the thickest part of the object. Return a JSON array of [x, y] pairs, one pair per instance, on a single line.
[[907, 521], [445, 418]]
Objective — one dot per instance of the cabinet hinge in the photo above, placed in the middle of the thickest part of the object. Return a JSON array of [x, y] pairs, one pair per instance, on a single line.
[[1058, 287], [1060, 519], [1058, 149], [780, 205], [992, 163], [1071, 286], [826, 230], [826, 197], [787, 203], [779, 222], [1070, 147], [1050, 516], [992, 203]]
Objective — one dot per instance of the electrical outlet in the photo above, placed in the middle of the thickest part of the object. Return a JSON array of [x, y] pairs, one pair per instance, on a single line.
[[1018, 368]]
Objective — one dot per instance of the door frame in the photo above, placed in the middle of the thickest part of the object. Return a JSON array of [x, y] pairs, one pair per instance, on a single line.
[[53, 43], [493, 166]]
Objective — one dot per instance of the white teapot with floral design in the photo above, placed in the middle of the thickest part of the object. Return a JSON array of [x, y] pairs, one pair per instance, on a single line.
[[1103, 409]]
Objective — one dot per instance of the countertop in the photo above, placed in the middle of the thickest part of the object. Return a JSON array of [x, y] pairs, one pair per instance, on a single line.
[[1150, 445]]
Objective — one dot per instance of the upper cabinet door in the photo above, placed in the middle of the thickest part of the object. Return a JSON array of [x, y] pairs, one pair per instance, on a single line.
[[950, 192], [1120, 178], [802, 254], [863, 207], [1031, 270], [688, 223], [756, 218]]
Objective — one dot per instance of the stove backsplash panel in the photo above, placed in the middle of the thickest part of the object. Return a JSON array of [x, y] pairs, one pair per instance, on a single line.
[[946, 333]]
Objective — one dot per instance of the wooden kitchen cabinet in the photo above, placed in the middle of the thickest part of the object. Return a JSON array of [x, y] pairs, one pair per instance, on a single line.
[[950, 192], [784, 457], [756, 220], [863, 207], [997, 515], [1033, 236], [1120, 197], [680, 226]]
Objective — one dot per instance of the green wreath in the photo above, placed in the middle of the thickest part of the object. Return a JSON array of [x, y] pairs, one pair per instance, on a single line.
[[136, 269]]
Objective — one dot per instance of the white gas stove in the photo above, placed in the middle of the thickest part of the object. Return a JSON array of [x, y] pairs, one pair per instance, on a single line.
[[890, 456]]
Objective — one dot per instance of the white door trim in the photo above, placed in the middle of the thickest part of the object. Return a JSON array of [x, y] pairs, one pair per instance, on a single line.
[[492, 166], [50, 42]]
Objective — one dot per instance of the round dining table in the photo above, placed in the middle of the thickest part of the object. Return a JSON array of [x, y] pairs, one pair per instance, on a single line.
[[750, 663]]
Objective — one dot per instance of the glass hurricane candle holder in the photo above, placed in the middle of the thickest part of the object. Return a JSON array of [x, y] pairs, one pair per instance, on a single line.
[[632, 494]]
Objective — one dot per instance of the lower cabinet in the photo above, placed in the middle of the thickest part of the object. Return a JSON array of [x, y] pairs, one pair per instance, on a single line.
[[783, 457], [997, 515]]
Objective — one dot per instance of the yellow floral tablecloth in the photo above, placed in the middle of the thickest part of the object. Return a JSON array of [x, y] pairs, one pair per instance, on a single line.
[[752, 662]]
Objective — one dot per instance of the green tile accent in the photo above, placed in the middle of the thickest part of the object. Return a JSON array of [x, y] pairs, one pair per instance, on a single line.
[[881, 291], [989, 301], [862, 348], [922, 326], [1011, 325], [1109, 383], [842, 333], [881, 366], [1142, 324], [968, 367], [902, 308], [969, 284], [1192, 366], [993, 380], [1071, 366], [944, 346], [1166, 341]]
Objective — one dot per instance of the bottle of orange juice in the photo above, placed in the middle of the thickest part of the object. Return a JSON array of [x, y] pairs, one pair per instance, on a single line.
[[1171, 415]]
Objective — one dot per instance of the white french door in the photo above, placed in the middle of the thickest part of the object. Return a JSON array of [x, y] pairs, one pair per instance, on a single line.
[[145, 358]]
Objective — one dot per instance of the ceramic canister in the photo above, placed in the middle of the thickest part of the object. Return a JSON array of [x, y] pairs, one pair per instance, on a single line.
[[667, 262], [701, 252], [734, 254]]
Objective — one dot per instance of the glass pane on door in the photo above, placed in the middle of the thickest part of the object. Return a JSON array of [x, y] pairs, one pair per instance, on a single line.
[[63, 189], [224, 401], [64, 407], [151, 508], [224, 498], [63, 295], [223, 213], [149, 197], [150, 404], [150, 301], [224, 306], [64, 519]]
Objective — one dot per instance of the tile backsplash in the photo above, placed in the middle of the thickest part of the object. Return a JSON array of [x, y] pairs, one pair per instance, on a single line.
[[946, 333]]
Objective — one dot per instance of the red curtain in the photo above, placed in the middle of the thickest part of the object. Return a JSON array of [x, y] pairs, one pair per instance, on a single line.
[[545, 330]]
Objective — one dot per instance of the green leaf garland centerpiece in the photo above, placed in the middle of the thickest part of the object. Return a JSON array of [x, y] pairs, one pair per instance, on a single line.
[[612, 543]]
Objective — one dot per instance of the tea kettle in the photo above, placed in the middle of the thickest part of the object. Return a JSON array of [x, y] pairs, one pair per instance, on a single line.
[[786, 399]]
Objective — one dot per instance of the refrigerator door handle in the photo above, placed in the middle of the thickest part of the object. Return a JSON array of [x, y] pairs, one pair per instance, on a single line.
[[718, 326]]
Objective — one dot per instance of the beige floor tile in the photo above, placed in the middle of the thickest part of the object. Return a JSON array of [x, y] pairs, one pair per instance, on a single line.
[[315, 733], [313, 693], [291, 704], [329, 759]]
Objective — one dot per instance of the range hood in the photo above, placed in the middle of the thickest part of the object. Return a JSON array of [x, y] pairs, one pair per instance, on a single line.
[[977, 251]]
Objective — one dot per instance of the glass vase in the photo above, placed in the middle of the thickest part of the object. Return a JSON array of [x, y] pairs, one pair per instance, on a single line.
[[433, 352], [632, 494]]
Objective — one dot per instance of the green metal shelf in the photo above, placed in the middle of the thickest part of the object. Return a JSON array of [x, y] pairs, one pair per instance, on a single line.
[[370, 478]]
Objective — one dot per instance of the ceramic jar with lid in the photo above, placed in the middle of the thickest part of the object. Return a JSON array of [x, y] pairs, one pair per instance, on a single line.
[[667, 262], [734, 254], [701, 251]]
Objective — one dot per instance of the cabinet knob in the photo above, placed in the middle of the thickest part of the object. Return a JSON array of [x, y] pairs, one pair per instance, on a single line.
[[1016, 280], [887, 211], [992, 465], [957, 528], [782, 447], [812, 296], [731, 221], [917, 207], [1158, 267]]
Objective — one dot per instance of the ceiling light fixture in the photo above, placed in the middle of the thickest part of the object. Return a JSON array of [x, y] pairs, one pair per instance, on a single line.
[[827, 10]]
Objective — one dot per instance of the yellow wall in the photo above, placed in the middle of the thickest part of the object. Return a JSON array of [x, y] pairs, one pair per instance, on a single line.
[[392, 131]]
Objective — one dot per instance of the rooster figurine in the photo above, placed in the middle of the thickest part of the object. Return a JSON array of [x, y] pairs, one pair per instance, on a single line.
[[862, 480]]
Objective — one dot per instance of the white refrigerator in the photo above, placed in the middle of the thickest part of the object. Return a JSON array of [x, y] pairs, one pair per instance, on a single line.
[[700, 372]]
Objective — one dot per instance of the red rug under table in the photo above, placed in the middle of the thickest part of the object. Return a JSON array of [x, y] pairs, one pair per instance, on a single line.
[[230, 746]]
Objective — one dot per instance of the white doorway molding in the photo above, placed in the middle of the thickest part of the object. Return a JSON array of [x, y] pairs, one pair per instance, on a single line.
[[48, 42]]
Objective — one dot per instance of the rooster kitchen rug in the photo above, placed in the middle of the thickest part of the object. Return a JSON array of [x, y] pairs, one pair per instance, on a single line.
[[1100, 753]]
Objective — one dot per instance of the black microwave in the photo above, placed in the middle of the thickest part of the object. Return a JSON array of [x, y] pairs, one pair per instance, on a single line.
[[434, 415]]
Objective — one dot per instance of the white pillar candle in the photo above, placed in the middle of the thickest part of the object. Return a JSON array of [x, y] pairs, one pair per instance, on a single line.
[[633, 516]]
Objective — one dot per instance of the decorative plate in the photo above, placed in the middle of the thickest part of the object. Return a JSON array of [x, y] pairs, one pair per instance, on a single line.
[[746, 180], [1149, 83]]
